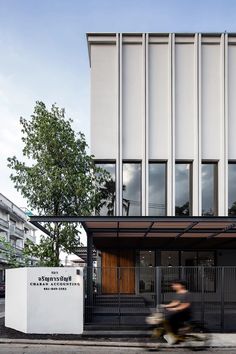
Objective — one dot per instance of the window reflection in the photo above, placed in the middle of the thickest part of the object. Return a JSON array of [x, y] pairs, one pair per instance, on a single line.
[[209, 189], [187, 258], [170, 258], [206, 258], [232, 189], [108, 190], [157, 189], [131, 189], [183, 189], [146, 271]]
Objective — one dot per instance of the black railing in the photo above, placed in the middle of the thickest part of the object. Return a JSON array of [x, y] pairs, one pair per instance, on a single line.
[[125, 295]]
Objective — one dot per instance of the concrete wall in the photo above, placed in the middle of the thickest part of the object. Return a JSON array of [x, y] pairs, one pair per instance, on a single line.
[[44, 300]]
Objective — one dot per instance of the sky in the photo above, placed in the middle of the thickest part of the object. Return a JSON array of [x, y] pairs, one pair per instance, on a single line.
[[44, 55]]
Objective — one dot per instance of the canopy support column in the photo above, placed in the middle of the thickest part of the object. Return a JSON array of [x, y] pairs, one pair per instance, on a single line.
[[90, 272]]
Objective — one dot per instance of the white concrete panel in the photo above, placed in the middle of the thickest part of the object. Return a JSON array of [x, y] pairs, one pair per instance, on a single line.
[[184, 101], [133, 133], [16, 299], [211, 101], [158, 79], [45, 300], [104, 101], [231, 101]]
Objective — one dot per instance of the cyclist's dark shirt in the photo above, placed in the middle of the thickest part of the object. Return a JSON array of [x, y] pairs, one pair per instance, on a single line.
[[183, 298]]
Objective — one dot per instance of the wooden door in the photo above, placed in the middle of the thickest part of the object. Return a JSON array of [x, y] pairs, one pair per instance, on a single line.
[[109, 272], [118, 273], [127, 272]]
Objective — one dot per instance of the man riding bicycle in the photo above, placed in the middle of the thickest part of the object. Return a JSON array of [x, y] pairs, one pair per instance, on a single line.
[[178, 311]]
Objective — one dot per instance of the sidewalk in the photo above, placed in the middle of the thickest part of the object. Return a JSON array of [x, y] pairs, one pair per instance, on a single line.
[[222, 340], [101, 338]]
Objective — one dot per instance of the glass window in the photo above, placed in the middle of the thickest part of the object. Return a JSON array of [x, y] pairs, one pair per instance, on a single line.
[[157, 189], [131, 189], [147, 258], [209, 189], [206, 258], [183, 189], [189, 258], [108, 190], [170, 258], [232, 189], [146, 271]]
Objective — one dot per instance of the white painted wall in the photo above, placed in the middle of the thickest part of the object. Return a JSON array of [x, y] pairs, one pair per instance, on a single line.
[[184, 101], [40, 306], [232, 101], [132, 101], [211, 101], [104, 99], [158, 101], [16, 298]]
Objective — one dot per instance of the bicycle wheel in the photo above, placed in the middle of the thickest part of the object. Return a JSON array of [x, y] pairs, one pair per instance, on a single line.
[[198, 337]]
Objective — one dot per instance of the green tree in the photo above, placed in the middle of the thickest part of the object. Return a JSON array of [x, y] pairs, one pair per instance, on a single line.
[[58, 177], [12, 257]]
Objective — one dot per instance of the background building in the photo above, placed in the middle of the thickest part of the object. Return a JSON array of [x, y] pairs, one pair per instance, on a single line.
[[15, 228]]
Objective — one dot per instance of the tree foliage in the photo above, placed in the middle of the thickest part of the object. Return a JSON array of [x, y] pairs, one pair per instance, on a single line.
[[58, 177], [12, 257]]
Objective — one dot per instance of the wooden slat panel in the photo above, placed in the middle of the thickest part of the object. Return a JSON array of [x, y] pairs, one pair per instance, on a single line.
[[127, 272], [109, 272]]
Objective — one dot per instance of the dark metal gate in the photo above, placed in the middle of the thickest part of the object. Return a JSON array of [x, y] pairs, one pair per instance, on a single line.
[[213, 295]]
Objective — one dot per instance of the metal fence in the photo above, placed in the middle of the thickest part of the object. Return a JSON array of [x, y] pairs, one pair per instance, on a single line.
[[126, 296]]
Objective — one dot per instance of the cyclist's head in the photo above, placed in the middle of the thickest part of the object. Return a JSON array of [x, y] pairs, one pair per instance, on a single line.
[[178, 284]]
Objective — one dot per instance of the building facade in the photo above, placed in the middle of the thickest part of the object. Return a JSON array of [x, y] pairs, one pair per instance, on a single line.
[[15, 228], [162, 105], [163, 114]]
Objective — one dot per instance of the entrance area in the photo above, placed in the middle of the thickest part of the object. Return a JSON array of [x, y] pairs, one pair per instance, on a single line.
[[125, 285], [212, 295], [118, 275], [133, 271]]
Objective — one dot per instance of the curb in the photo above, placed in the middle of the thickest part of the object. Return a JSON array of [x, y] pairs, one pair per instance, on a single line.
[[106, 344]]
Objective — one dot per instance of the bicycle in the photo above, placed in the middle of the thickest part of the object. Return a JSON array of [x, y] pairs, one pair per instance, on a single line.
[[193, 334]]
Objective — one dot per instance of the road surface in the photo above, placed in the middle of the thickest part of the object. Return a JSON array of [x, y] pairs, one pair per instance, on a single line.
[[62, 349]]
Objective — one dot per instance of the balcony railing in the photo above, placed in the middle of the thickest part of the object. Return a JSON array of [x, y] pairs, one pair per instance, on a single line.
[[15, 231], [3, 223]]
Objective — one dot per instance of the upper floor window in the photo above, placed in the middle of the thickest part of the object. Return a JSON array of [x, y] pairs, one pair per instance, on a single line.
[[209, 189], [131, 199], [183, 189], [157, 189], [108, 190], [232, 188]]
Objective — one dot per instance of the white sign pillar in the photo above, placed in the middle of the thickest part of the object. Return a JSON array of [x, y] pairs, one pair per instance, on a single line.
[[45, 300]]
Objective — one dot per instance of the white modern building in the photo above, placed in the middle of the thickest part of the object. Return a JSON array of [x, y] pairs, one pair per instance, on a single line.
[[163, 120], [15, 228], [163, 117]]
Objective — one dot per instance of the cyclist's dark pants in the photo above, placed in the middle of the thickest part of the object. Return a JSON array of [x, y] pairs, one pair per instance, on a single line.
[[177, 319]]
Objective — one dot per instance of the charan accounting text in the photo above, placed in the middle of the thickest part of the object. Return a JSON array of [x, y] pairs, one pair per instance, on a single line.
[[55, 282]]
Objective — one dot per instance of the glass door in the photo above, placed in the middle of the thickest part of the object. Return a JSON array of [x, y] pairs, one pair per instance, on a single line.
[[146, 271]]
